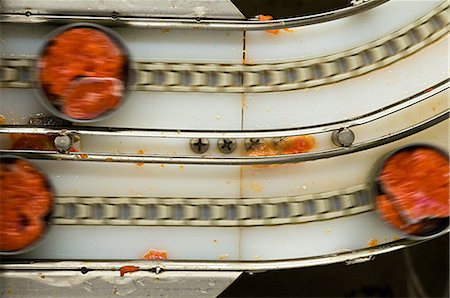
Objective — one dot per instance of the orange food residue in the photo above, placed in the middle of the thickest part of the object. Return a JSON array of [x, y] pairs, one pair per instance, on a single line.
[[128, 269], [274, 31], [418, 181], [25, 200], [81, 71], [140, 164], [154, 255], [288, 145], [87, 98], [268, 18], [297, 144], [257, 187], [32, 142], [392, 217], [2, 119], [372, 243]]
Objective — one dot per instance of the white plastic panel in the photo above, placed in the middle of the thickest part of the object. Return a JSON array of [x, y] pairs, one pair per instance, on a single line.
[[178, 111], [183, 45], [107, 243], [351, 97], [335, 36], [19, 40], [331, 236], [220, 111], [326, 174], [314, 239]]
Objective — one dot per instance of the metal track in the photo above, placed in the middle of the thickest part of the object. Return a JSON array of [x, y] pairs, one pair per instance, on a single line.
[[349, 257], [239, 78], [215, 212], [241, 160], [40, 13], [231, 134]]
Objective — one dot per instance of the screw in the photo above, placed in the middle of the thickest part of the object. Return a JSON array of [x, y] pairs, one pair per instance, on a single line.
[[343, 137], [114, 15], [199, 145], [226, 146], [251, 143], [63, 143], [157, 270]]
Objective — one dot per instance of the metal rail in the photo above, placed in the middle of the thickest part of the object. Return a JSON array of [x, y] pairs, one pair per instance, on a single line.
[[221, 160], [38, 16], [232, 134], [349, 257], [276, 77]]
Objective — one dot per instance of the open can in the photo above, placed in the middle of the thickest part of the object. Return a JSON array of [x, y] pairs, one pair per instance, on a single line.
[[83, 72], [25, 219], [417, 208]]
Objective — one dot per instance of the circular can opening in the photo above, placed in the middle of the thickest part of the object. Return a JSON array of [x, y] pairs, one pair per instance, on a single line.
[[26, 205], [411, 189], [83, 72]]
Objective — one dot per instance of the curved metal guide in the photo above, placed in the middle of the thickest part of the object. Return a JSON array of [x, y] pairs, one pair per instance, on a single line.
[[196, 15], [349, 257], [239, 78], [217, 9], [239, 160]]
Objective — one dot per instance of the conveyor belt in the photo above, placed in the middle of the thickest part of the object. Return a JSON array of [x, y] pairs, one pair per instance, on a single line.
[[239, 78]]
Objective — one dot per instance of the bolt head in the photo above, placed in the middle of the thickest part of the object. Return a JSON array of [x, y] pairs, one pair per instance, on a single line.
[[343, 137], [226, 145], [251, 143], [63, 143], [199, 145]]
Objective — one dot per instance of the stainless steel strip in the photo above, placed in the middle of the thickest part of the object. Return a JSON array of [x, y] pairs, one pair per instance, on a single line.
[[218, 9], [107, 284], [232, 134], [212, 212], [223, 160], [348, 257], [239, 78], [13, 14]]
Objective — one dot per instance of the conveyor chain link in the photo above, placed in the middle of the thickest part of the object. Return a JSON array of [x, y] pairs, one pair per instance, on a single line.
[[141, 211], [238, 78]]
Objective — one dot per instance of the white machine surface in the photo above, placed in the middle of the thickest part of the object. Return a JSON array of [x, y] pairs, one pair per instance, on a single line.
[[239, 111]]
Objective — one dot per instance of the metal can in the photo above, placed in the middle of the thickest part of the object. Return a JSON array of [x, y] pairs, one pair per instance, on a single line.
[[390, 205], [45, 218], [126, 80]]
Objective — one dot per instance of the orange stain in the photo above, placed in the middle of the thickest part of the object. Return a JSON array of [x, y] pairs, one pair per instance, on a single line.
[[32, 142], [128, 269], [273, 31], [140, 164], [268, 18], [372, 243], [154, 255]]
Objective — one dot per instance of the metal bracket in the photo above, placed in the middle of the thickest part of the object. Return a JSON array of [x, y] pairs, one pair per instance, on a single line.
[[107, 283]]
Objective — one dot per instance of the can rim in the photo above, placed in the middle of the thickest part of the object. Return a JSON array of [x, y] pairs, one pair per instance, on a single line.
[[377, 188], [128, 81], [48, 217]]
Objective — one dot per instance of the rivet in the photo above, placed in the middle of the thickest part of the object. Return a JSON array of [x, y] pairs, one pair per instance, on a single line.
[[63, 143], [343, 137]]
